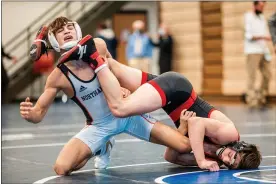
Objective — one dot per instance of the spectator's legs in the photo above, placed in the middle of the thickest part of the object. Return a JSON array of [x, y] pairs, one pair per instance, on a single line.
[[253, 63], [266, 74], [164, 66], [144, 65], [135, 63]]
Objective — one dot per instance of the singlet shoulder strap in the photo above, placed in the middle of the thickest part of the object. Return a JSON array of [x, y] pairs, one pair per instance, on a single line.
[[63, 68]]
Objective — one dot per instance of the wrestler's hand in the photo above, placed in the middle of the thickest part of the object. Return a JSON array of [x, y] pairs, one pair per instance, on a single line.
[[125, 92], [25, 109], [185, 115], [208, 164], [14, 60]]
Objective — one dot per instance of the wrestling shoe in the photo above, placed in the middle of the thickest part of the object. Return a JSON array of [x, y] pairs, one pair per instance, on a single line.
[[102, 161]]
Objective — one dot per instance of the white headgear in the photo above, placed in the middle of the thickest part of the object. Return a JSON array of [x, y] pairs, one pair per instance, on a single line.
[[53, 41]]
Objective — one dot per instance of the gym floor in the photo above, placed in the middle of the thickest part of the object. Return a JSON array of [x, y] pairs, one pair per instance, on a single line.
[[29, 151]]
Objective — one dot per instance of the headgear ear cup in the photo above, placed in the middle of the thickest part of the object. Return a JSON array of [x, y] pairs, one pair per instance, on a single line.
[[78, 30], [53, 41]]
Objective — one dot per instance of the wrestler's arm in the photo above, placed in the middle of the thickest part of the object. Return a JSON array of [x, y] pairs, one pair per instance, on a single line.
[[128, 77], [219, 132], [36, 114]]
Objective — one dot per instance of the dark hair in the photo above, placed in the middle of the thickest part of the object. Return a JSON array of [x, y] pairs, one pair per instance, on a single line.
[[102, 26], [250, 158], [257, 2], [58, 23]]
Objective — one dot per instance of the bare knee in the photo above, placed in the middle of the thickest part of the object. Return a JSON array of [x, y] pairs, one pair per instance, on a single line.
[[62, 169], [170, 155], [184, 146], [121, 109], [118, 111]]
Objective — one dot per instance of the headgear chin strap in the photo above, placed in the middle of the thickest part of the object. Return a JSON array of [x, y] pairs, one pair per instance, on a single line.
[[53, 41], [220, 151], [237, 146]]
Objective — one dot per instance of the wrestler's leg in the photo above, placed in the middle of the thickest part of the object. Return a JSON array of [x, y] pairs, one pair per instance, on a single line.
[[145, 99], [167, 136], [88, 142], [128, 77], [149, 129], [82, 163], [73, 156], [184, 159]]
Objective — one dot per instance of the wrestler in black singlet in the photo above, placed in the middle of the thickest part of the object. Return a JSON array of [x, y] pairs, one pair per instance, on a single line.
[[177, 94]]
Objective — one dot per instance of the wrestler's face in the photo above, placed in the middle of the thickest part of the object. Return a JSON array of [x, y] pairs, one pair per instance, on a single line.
[[66, 33], [230, 158]]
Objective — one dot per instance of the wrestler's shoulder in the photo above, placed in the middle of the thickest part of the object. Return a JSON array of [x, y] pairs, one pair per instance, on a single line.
[[55, 77]]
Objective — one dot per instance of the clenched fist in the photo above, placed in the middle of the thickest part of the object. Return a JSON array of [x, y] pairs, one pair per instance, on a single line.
[[26, 108]]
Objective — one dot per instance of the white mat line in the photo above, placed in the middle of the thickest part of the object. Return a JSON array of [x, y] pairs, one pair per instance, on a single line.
[[258, 135], [88, 170], [43, 127], [28, 136], [258, 124], [26, 161], [61, 144], [80, 126], [115, 167]]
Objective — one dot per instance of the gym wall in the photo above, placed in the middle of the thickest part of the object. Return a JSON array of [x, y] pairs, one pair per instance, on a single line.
[[208, 45]]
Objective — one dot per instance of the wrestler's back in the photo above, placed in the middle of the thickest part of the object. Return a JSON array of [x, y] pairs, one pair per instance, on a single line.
[[216, 114]]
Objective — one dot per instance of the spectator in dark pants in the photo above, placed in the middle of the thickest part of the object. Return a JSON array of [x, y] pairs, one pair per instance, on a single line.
[[272, 29], [166, 48], [4, 75], [108, 35]]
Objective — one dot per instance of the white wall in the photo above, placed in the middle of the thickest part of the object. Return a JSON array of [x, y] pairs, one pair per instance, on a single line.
[[152, 20], [17, 15]]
